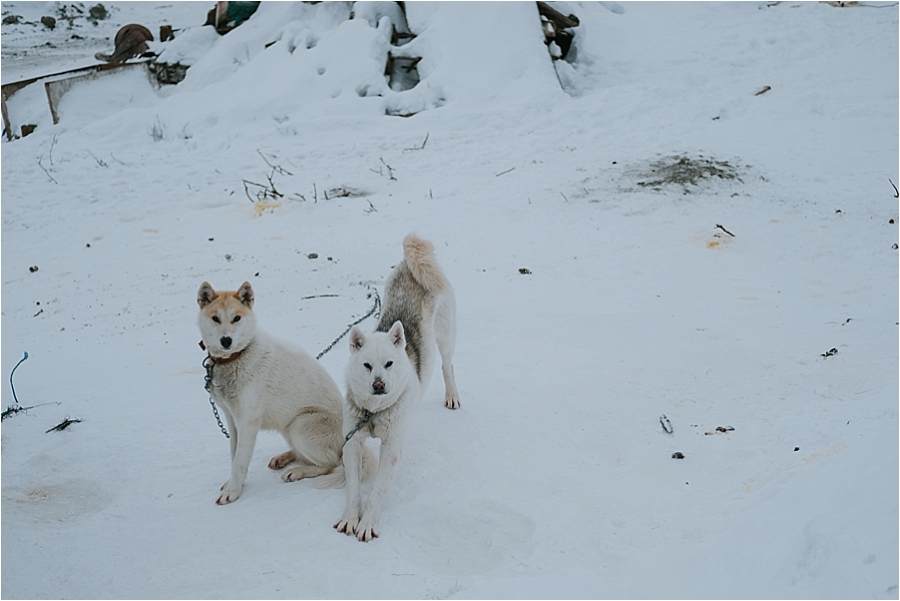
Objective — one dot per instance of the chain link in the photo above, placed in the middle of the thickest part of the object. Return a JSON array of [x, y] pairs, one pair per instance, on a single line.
[[208, 363], [376, 307], [359, 424]]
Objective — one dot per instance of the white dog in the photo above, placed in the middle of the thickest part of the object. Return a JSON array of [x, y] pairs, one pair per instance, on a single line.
[[389, 371], [260, 382]]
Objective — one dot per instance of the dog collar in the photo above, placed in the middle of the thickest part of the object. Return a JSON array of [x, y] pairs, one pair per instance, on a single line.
[[223, 360]]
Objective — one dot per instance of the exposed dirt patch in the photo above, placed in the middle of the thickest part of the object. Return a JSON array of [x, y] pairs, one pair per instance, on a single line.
[[685, 172]]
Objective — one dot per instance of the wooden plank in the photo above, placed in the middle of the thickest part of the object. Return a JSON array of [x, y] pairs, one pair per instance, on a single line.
[[561, 20]]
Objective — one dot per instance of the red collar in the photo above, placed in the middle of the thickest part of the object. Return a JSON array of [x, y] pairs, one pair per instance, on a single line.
[[224, 360]]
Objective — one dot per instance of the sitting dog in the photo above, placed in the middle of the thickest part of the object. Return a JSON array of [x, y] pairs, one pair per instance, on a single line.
[[260, 382]]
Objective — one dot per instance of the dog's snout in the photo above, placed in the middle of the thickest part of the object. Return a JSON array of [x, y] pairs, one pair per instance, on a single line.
[[378, 387], [225, 341]]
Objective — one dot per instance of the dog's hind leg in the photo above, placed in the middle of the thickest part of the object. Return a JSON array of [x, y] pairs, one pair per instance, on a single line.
[[314, 436], [279, 461], [445, 336]]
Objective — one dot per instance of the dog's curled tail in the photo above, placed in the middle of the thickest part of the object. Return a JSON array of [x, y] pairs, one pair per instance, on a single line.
[[337, 478], [419, 255]]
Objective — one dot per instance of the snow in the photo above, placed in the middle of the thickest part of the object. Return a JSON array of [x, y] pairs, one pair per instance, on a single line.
[[555, 479]]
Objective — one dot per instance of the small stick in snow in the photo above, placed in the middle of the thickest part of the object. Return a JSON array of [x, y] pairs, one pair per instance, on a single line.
[[505, 172], [275, 168], [896, 191], [100, 162], [63, 425], [422, 147], [44, 169], [666, 424], [719, 226], [763, 91], [830, 353], [389, 168], [52, 144]]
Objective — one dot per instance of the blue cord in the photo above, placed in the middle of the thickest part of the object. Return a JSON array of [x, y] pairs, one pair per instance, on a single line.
[[11, 376]]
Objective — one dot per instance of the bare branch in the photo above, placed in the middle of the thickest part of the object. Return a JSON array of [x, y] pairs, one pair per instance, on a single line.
[[99, 161], [389, 168], [38, 161], [724, 230], [278, 168], [52, 144], [424, 142]]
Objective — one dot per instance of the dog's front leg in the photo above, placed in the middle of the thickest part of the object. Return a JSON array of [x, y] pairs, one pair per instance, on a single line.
[[246, 439], [233, 436], [353, 452], [387, 468]]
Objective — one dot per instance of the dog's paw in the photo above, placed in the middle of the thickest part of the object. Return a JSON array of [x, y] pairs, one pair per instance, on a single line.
[[451, 402], [365, 531], [228, 495], [279, 461], [347, 525], [292, 475]]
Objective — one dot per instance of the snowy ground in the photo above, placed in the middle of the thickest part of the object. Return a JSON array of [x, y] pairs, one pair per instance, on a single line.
[[555, 478]]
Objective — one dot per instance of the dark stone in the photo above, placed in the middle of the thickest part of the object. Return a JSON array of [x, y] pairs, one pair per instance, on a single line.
[[98, 12]]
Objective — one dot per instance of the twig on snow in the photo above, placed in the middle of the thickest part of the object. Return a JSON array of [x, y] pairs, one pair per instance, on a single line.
[[52, 144], [666, 424], [100, 162], [896, 191], [422, 147], [278, 168], [719, 226], [389, 168], [44, 169], [63, 425]]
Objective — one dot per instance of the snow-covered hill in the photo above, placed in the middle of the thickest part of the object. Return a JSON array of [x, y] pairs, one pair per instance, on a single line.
[[633, 234]]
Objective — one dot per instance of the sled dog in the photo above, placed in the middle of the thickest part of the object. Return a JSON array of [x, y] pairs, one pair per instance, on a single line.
[[388, 372], [260, 382]]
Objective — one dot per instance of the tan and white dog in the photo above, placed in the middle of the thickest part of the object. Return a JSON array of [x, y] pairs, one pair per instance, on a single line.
[[260, 382], [388, 373]]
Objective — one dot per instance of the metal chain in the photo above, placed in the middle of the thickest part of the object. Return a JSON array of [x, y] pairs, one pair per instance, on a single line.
[[208, 363], [375, 307], [359, 424]]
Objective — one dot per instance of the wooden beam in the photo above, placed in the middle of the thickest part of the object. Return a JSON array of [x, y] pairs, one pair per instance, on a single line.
[[562, 21]]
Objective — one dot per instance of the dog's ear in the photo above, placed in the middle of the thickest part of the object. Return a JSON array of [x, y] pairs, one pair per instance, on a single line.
[[357, 339], [245, 294], [396, 335], [205, 295]]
